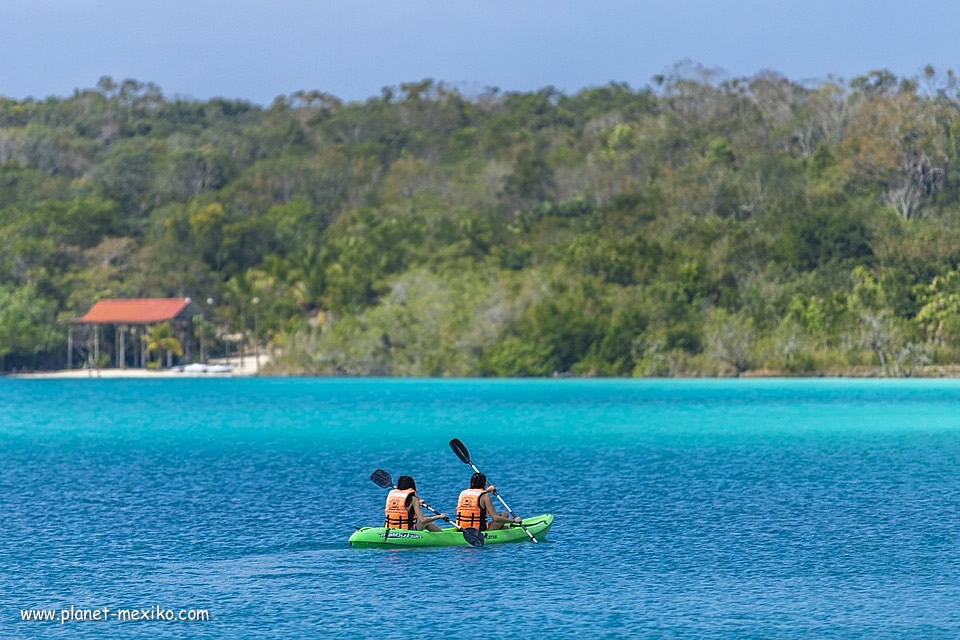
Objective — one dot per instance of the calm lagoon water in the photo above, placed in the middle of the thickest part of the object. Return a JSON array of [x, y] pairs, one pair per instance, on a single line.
[[693, 509]]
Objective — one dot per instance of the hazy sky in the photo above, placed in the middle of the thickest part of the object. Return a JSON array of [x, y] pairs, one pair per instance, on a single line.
[[352, 48]]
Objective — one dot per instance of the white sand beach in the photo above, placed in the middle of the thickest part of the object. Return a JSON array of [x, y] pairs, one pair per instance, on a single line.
[[248, 368]]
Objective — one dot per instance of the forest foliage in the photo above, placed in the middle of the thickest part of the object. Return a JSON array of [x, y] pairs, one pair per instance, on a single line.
[[702, 225]]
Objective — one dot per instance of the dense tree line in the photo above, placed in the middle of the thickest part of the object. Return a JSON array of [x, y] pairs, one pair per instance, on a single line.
[[702, 225]]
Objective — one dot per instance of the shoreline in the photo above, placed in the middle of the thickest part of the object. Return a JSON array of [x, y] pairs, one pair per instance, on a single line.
[[249, 370]]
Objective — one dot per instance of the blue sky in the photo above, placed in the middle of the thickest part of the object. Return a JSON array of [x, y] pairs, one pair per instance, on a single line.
[[352, 48]]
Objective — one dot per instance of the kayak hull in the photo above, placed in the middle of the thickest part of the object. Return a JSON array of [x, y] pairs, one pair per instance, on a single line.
[[403, 539]]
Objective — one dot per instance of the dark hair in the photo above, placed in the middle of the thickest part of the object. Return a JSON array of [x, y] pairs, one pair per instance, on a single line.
[[478, 481], [406, 482]]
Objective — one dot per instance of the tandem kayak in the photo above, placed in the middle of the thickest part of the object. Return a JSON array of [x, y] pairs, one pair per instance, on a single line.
[[377, 536]]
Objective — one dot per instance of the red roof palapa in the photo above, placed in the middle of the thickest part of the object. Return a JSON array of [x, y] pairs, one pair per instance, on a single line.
[[138, 311]]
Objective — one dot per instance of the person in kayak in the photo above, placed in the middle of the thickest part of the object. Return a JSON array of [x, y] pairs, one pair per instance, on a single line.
[[403, 510], [475, 504]]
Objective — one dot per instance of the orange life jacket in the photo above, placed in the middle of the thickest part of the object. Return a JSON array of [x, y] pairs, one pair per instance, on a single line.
[[399, 510], [469, 511]]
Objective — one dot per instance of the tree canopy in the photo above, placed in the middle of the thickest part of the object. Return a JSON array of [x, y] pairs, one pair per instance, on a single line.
[[702, 225]]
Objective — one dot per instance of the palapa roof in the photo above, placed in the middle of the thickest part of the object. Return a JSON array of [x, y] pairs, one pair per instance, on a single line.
[[134, 311]]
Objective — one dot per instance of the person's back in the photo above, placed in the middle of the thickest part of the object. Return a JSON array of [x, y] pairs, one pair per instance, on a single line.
[[399, 512], [475, 505], [402, 510]]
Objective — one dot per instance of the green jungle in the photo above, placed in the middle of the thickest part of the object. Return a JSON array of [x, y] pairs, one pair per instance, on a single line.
[[700, 226]]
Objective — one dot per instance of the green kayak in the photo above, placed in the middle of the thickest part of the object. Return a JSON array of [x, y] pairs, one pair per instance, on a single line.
[[400, 538]]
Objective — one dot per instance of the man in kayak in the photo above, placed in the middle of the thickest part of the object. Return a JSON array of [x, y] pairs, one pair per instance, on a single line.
[[475, 504], [403, 510]]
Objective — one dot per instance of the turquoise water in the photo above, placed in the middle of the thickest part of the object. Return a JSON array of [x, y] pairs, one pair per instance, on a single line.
[[694, 509]]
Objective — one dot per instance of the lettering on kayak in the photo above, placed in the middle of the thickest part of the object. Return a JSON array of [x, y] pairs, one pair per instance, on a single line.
[[402, 535]]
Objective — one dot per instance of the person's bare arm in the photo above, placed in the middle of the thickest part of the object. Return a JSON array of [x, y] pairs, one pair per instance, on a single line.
[[422, 518], [492, 511]]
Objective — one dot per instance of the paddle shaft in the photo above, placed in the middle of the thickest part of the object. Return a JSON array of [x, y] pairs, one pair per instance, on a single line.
[[507, 507], [445, 519]]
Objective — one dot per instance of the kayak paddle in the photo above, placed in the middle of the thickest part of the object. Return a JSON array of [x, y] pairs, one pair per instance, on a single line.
[[473, 536], [461, 450]]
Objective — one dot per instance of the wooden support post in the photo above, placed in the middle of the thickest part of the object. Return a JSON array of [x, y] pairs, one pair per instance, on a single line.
[[123, 346], [69, 346], [96, 344], [256, 333]]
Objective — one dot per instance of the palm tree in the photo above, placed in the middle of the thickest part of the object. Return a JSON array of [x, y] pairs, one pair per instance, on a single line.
[[160, 339]]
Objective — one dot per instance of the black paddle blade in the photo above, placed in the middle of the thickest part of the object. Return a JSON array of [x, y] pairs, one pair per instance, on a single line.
[[473, 537], [382, 479], [460, 450]]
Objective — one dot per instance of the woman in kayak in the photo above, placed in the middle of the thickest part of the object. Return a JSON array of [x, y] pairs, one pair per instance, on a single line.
[[403, 508], [475, 504]]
